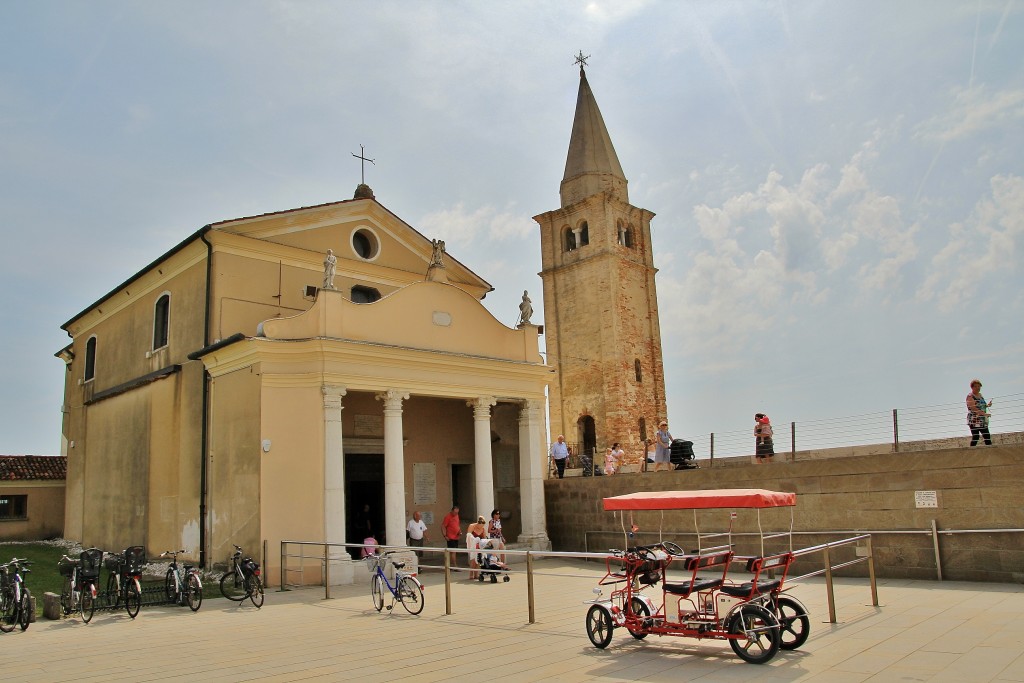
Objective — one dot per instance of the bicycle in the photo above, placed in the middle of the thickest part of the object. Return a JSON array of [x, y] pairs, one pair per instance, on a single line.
[[15, 597], [81, 577], [242, 580], [124, 580], [407, 589], [182, 583]]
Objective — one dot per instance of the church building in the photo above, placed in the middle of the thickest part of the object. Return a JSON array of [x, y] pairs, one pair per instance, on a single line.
[[272, 377]]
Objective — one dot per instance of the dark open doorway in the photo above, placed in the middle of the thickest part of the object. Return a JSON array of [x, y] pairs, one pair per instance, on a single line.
[[364, 486], [464, 491]]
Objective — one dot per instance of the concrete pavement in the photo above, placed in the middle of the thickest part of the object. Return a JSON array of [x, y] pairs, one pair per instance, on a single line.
[[923, 631]]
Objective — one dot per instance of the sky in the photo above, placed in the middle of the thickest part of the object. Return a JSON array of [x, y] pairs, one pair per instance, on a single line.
[[839, 186]]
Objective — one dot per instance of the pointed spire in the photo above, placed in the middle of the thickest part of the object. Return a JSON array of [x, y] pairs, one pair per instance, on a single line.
[[591, 165]]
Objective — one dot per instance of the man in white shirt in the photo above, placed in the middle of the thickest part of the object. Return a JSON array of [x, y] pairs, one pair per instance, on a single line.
[[560, 453], [417, 531]]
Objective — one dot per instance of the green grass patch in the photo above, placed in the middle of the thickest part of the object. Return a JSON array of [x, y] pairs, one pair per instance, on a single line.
[[44, 575]]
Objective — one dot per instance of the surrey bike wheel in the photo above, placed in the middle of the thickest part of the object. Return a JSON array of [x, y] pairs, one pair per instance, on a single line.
[[599, 626], [231, 587], [794, 626], [132, 598], [8, 610], [255, 590], [410, 592], [88, 605], [759, 634], [639, 608], [377, 591], [25, 611], [195, 592], [113, 593]]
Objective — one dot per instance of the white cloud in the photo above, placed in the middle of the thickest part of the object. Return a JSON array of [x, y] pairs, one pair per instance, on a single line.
[[973, 110], [461, 226]]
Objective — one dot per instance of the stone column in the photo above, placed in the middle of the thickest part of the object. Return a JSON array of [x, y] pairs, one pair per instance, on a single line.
[[532, 466], [578, 233], [483, 464], [334, 484], [394, 467]]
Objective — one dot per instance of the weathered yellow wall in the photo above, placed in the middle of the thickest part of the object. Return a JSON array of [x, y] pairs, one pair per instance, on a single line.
[[45, 511]]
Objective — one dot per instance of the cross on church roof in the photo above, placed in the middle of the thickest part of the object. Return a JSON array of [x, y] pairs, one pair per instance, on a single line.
[[362, 163], [581, 59]]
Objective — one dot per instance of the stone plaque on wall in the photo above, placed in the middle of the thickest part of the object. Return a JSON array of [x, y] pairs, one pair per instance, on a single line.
[[424, 482], [926, 499], [504, 470], [368, 425]]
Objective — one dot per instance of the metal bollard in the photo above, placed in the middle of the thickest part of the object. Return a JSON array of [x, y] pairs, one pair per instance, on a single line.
[[529, 586], [447, 582], [828, 586]]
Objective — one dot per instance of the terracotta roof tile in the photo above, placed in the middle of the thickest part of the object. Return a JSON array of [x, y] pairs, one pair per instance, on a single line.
[[33, 467]]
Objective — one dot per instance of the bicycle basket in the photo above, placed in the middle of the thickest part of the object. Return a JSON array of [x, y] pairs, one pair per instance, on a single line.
[[66, 567], [372, 561], [92, 560], [134, 558]]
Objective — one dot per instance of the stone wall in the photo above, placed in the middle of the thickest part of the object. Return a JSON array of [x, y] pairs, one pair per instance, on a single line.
[[978, 488]]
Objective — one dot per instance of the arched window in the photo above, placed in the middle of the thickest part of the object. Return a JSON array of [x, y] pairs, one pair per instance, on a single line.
[[584, 234], [364, 295], [638, 370], [161, 321], [570, 240], [587, 434], [90, 359], [643, 429]]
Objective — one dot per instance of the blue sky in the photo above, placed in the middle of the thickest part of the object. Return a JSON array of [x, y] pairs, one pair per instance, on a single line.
[[839, 186]]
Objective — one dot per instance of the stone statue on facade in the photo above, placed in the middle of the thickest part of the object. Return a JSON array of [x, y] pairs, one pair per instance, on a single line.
[[437, 257], [525, 309], [330, 268]]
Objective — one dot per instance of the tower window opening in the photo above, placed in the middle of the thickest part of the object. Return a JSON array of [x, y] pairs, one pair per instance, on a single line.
[[161, 321], [570, 239], [584, 234], [639, 371], [90, 359]]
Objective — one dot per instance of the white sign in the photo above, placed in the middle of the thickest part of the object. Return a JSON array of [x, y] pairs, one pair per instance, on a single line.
[[926, 499], [424, 480]]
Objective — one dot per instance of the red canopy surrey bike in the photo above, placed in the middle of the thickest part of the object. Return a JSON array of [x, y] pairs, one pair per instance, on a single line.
[[754, 616]]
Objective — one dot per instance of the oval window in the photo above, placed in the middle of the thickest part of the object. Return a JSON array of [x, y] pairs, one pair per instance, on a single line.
[[364, 244]]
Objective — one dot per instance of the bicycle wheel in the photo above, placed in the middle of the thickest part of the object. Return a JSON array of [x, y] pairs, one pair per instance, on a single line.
[[132, 598], [794, 625], [88, 605], [113, 593], [639, 608], [759, 634], [231, 588], [8, 610], [377, 591], [171, 588], [410, 593], [195, 592], [65, 597], [599, 626], [25, 610], [255, 590]]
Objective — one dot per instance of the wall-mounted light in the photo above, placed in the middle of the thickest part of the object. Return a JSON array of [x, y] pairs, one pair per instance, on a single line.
[[266, 445]]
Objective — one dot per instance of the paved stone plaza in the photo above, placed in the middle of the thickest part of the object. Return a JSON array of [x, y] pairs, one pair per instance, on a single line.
[[923, 631]]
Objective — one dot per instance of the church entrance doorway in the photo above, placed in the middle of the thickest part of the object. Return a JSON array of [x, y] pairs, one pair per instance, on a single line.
[[364, 498], [588, 434], [464, 492]]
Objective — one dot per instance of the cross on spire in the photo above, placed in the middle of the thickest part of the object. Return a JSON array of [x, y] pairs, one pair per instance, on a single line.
[[581, 59], [362, 163]]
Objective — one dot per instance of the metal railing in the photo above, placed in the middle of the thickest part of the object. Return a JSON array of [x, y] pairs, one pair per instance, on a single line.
[[531, 572]]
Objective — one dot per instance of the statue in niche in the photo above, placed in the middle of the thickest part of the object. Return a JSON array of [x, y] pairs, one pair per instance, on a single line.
[[525, 309], [437, 257], [330, 268]]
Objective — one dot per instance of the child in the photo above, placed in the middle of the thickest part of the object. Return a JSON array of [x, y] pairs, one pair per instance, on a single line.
[[612, 458]]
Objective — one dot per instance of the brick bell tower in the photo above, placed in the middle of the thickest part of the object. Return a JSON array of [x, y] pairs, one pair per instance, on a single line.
[[600, 303]]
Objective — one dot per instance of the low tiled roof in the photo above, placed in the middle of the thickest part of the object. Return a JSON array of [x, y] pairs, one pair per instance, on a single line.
[[33, 467]]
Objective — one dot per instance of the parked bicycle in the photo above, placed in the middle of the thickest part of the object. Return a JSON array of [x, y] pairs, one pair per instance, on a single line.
[[182, 583], [407, 589], [124, 578], [242, 580], [15, 598], [81, 578]]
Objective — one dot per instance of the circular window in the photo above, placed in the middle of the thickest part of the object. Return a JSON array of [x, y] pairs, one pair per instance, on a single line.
[[365, 244]]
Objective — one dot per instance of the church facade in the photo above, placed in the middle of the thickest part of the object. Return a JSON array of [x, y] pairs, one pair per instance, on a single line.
[[600, 302], [244, 389]]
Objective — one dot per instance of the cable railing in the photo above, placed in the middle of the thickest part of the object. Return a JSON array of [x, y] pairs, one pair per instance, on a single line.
[[895, 428]]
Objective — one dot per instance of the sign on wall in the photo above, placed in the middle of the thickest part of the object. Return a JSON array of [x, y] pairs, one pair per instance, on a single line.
[[368, 425], [926, 499], [424, 483]]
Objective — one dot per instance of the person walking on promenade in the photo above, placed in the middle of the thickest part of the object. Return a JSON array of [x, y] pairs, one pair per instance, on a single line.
[[560, 453], [764, 447], [452, 530], [663, 447], [977, 414]]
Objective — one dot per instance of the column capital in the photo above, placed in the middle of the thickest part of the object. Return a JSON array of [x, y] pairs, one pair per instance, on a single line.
[[332, 395], [530, 410], [392, 398], [481, 406]]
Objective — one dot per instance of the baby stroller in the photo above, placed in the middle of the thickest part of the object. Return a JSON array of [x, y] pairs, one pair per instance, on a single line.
[[681, 455], [490, 566]]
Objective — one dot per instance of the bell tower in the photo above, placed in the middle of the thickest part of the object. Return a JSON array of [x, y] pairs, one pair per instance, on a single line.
[[600, 304]]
